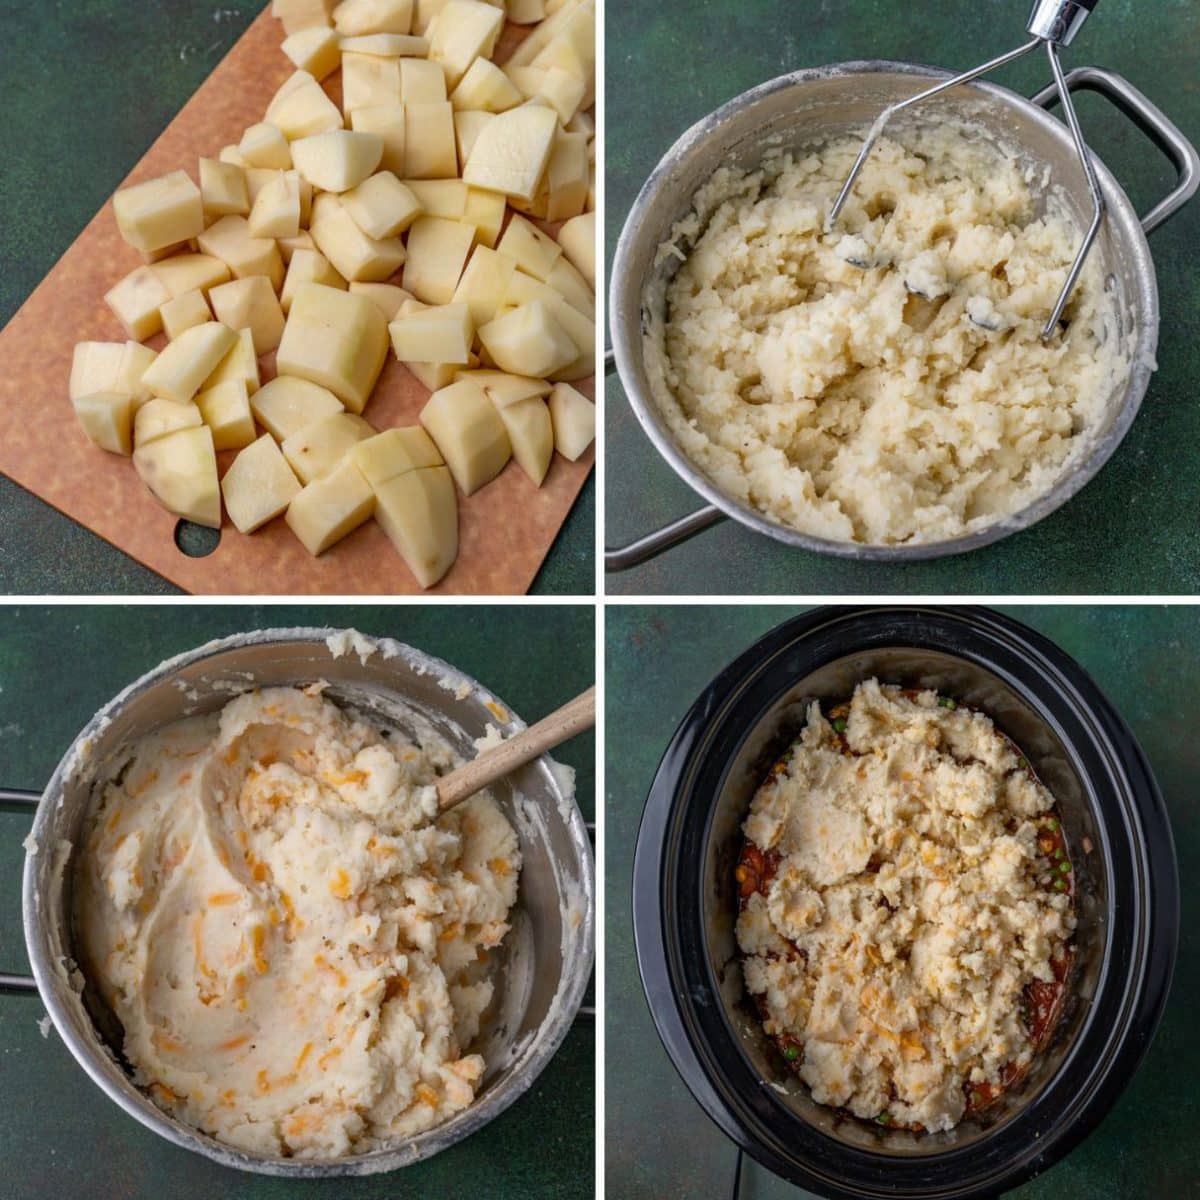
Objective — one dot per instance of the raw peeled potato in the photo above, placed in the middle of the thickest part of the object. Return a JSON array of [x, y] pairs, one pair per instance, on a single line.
[[414, 214]]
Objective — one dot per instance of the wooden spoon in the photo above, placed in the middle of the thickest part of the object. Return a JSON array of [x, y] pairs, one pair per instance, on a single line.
[[463, 782]]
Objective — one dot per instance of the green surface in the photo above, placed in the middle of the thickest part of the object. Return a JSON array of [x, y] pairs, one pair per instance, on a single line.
[[1146, 660], [60, 1136], [89, 86], [1133, 529]]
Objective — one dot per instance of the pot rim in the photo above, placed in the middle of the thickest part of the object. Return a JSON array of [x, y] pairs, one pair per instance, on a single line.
[[91, 1053], [626, 323], [655, 907]]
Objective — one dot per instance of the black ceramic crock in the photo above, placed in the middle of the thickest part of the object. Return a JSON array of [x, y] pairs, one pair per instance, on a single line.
[[685, 901]]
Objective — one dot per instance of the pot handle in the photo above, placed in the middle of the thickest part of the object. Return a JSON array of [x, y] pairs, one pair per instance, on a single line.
[[651, 545], [1152, 121], [12, 800]]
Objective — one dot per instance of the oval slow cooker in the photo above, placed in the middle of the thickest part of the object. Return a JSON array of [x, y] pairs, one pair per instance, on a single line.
[[685, 897]]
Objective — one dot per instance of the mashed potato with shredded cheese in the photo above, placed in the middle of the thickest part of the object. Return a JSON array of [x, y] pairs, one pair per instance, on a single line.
[[884, 382], [297, 952], [908, 909]]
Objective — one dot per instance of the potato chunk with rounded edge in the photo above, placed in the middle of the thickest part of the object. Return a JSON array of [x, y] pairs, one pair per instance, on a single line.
[[337, 160], [159, 212], [574, 419], [387, 297], [532, 250], [531, 434], [276, 211], [188, 361], [240, 363], [263, 145], [316, 450], [110, 367], [468, 432], [223, 188], [181, 470], [356, 256], [301, 108], [419, 512], [230, 240], [394, 452], [511, 151], [386, 120], [225, 409], [462, 32], [107, 419], [136, 301], [334, 339], [316, 50], [577, 237], [326, 510], [190, 272], [308, 266], [442, 333], [158, 417], [286, 405], [258, 486], [250, 304], [355, 18], [528, 340], [437, 253], [382, 206], [184, 312]]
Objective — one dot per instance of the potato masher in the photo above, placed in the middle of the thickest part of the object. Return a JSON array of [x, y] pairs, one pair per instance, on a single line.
[[1053, 24]]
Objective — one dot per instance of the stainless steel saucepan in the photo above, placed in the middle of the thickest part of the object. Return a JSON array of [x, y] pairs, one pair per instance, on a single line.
[[545, 960], [810, 107]]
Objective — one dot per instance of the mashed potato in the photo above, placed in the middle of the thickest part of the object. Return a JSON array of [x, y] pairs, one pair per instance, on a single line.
[[297, 954], [913, 895], [885, 382]]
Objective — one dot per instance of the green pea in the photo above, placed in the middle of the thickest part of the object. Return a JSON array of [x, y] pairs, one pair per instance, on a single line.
[[1022, 764], [1064, 868], [884, 1118], [791, 1054], [1052, 824], [1060, 885], [839, 724], [947, 702]]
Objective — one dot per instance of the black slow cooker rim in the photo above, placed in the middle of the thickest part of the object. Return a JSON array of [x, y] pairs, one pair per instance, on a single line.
[[1052, 1123]]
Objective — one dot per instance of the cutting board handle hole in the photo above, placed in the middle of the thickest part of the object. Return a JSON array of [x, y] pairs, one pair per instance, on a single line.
[[196, 541]]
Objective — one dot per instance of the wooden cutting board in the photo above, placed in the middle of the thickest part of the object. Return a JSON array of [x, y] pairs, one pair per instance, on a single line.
[[505, 529]]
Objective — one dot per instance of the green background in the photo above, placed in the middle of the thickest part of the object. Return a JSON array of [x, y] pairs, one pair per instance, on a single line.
[[88, 86], [1133, 528], [60, 1137], [1146, 660]]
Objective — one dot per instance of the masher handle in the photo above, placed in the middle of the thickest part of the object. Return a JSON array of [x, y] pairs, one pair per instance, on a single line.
[[1058, 21]]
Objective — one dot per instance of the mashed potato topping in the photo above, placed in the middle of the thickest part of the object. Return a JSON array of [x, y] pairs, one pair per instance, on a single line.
[[908, 905], [297, 954], [884, 382]]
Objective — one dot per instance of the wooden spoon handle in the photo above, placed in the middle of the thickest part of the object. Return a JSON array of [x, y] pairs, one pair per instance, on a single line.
[[574, 717]]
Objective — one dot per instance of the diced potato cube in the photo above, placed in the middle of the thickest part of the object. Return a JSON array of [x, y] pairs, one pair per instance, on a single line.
[[485, 88], [573, 288], [185, 363], [230, 240], [184, 312], [159, 212], [419, 512], [107, 419], [432, 375], [563, 90], [289, 246], [485, 210], [430, 151], [250, 304], [386, 120], [526, 12], [181, 470], [437, 254], [421, 82], [511, 151], [314, 451], [302, 14], [386, 45], [524, 289], [258, 486], [574, 419], [222, 188], [301, 108], [263, 145], [386, 297], [230, 155], [445, 198], [334, 339], [286, 405], [369, 82], [463, 31], [225, 409], [394, 452], [443, 334], [315, 50], [258, 178], [276, 211], [468, 432], [308, 266], [356, 256], [158, 417], [241, 363], [189, 272], [136, 302], [356, 17], [105, 367], [532, 250], [532, 436], [577, 237], [567, 176], [381, 206], [338, 160], [528, 340], [467, 126], [484, 284], [326, 510], [504, 389], [423, 13]]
